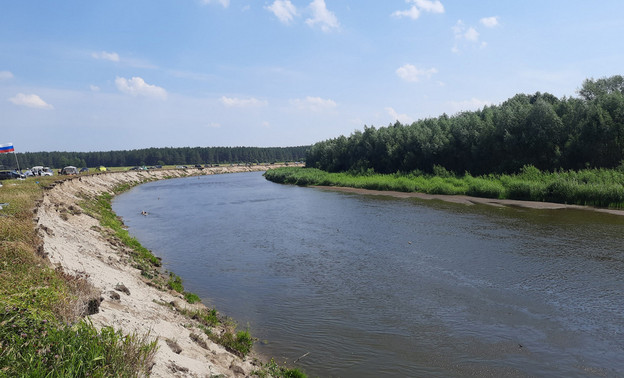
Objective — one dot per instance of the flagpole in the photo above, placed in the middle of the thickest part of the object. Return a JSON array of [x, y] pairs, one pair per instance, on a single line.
[[17, 162]]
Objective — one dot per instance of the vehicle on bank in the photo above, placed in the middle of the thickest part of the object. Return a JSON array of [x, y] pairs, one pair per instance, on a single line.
[[101, 168], [39, 170], [84, 170], [7, 175], [69, 170]]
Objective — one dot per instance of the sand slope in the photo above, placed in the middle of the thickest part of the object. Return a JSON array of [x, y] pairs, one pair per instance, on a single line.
[[73, 240]]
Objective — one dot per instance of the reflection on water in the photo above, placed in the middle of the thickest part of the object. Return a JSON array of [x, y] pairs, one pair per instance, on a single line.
[[372, 286]]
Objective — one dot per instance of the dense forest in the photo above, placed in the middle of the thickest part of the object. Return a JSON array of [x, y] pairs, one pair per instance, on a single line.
[[539, 130], [157, 156]]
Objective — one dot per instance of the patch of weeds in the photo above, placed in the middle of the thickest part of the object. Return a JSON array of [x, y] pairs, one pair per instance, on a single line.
[[273, 369], [175, 283], [191, 297], [39, 347]]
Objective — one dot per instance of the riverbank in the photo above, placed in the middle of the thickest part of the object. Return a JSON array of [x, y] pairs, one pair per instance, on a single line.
[[596, 189], [74, 242], [468, 200]]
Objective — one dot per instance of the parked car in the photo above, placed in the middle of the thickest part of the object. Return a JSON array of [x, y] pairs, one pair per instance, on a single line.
[[41, 171], [101, 168], [84, 169], [69, 170], [7, 175]]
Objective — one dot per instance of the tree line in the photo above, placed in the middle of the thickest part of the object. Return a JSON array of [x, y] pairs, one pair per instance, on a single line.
[[157, 156], [541, 130]]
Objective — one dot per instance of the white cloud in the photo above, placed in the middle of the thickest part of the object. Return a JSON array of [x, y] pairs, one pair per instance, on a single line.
[[31, 101], [471, 35], [5, 75], [411, 73], [434, 6], [467, 105], [243, 102], [489, 22], [112, 56], [403, 118], [412, 13], [314, 103], [214, 125], [225, 3], [94, 88], [138, 87], [284, 10], [465, 35], [322, 16], [420, 6]]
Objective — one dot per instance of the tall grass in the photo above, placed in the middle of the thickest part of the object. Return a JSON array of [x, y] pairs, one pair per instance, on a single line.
[[42, 332], [591, 187]]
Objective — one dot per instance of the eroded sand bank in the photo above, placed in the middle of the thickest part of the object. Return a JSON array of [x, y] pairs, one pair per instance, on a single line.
[[73, 240]]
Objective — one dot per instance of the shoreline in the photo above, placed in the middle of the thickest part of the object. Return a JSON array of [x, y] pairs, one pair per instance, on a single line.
[[74, 241], [468, 200]]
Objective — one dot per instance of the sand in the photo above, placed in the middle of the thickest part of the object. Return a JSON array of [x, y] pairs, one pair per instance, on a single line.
[[73, 240], [468, 200]]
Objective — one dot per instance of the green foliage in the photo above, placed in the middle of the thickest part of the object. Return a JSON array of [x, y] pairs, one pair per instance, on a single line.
[[273, 369], [536, 130], [36, 347], [175, 283], [593, 187], [191, 297], [158, 156], [239, 343]]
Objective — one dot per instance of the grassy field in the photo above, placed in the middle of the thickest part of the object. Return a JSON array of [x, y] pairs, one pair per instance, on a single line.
[[590, 187]]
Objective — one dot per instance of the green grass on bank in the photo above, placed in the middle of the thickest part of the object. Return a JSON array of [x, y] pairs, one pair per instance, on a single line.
[[590, 187], [43, 331]]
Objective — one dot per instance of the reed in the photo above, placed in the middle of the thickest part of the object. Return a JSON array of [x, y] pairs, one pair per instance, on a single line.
[[591, 187]]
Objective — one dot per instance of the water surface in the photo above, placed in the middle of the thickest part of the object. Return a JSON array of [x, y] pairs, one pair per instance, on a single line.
[[373, 286]]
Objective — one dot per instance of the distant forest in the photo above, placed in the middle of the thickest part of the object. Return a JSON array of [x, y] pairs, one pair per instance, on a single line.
[[157, 156], [539, 130]]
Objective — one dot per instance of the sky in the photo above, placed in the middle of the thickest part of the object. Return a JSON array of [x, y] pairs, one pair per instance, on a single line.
[[84, 76]]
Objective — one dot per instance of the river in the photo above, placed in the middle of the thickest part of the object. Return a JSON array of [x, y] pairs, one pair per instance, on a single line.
[[369, 286]]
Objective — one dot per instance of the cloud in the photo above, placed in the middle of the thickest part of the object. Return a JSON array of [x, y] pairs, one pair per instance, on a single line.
[[284, 10], [225, 3], [31, 101], [411, 73], [403, 118], [138, 87], [467, 105], [103, 55], [5, 75], [489, 22], [315, 104], [431, 6], [322, 16], [243, 102], [464, 35], [213, 125], [94, 88]]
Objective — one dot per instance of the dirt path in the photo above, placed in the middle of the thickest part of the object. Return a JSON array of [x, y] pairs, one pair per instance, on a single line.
[[73, 241]]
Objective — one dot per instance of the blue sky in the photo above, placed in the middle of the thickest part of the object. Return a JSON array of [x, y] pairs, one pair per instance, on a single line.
[[111, 75]]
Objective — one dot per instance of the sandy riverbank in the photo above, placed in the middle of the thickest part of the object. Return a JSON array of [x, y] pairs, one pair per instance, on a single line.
[[72, 240], [467, 200]]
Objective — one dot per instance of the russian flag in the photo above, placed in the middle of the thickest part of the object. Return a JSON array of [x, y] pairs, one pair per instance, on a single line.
[[4, 148]]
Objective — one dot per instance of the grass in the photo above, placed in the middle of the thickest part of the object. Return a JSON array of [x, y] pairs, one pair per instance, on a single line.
[[42, 329], [589, 187]]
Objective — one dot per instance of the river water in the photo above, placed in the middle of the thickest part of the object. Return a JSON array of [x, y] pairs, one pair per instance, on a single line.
[[370, 286]]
